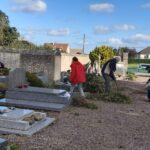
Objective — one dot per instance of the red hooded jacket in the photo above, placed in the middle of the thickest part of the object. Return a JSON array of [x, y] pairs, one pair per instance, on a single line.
[[77, 73]]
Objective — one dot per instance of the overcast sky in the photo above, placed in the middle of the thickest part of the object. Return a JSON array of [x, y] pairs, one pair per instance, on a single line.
[[115, 23]]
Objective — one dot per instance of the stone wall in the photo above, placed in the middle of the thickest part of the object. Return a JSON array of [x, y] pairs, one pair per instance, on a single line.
[[40, 63], [125, 60], [66, 60], [45, 64], [10, 59]]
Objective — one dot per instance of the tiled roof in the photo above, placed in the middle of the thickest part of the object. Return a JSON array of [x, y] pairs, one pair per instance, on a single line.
[[145, 51], [62, 46]]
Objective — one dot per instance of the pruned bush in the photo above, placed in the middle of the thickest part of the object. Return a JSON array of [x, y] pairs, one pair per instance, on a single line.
[[34, 80], [80, 101], [94, 83]]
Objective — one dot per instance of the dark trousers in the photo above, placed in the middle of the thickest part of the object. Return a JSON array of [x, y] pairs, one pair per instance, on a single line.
[[107, 79]]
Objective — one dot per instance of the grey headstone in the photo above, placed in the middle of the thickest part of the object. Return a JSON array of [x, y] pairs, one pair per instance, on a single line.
[[16, 77]]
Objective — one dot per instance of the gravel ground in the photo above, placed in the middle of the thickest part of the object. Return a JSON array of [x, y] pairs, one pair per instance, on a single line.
[[110, 127]]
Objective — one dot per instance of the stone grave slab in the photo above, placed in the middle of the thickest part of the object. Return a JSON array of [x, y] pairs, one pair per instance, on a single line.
[[33, 97], [23, 121], [32, 104], [15, 115], [39, 94]]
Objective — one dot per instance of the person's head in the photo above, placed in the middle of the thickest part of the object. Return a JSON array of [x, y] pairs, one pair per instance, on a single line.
[[68, 71], [74, 59], [118, 58]]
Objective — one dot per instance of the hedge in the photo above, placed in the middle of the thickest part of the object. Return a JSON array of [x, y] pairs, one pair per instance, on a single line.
[[137, 61]]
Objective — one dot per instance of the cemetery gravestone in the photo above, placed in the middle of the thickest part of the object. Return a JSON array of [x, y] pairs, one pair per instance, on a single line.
[[16, 77], [33, 97], [22, 121]]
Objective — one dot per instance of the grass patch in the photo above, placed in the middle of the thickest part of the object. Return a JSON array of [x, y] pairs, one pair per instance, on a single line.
[[132, 65]]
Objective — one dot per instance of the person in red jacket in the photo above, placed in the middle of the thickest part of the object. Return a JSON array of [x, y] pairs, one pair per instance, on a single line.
[[77, 76]]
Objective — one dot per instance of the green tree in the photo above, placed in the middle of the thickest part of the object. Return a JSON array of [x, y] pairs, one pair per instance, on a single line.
[[10, 35], [7, 34], [4, 22], [105, 52]]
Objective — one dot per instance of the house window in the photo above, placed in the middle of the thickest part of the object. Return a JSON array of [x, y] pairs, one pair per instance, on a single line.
[[146, 56]]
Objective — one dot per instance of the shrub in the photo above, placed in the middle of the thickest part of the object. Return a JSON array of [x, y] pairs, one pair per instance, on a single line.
[[14, 147], [94, 83], [34, 80], [137, 61], [3, 86], [4, 71]]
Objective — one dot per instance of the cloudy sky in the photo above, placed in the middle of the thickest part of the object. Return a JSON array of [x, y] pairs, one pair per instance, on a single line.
[[115, 23]]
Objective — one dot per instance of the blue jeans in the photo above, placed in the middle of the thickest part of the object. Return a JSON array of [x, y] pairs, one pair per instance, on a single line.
[[79, 86]]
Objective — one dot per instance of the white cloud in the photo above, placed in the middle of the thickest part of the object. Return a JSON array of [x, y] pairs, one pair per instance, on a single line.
[[58, 32], [102, 7], [102, 30], [140, 38], [29, 5], [147, 5], [115, 41], [124, 27]]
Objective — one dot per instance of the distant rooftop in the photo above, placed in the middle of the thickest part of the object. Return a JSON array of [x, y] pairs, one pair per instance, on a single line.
[[76, 51], [61, 46], [145, 51]]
